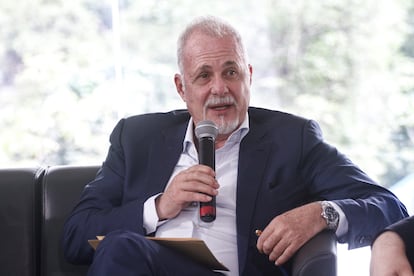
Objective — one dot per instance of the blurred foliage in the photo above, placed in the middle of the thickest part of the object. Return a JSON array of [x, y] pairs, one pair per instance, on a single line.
[[346, 64], [70, 69]]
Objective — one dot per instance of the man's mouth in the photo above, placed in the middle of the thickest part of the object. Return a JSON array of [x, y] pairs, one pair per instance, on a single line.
[[220, 104], [220, 107]]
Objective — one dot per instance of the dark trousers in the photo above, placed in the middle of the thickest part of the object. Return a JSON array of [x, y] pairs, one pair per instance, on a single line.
[[126, 253]]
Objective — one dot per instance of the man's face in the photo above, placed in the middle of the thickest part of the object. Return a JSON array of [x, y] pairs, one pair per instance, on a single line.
[[216, 81]]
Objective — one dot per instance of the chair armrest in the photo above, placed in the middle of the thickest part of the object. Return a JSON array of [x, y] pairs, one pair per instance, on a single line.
[[317, 256]]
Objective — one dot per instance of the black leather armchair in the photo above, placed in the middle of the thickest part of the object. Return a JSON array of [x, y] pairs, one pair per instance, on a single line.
[[19, 221], [61, 188], [35, 202], [317, 257]]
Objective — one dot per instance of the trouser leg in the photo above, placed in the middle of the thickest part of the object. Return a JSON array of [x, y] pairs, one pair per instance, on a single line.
[[127, 253]]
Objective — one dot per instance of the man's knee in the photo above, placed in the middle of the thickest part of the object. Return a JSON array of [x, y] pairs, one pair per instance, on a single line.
[[124, 253], [123, 241]]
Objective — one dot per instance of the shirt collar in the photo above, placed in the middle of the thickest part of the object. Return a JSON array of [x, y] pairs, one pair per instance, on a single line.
[[235, 137]]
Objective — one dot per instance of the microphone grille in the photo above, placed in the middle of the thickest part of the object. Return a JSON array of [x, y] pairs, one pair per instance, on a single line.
[[206, 128]]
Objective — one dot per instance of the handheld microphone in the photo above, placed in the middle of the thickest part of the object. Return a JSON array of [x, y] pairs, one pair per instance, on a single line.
[[206, 133]]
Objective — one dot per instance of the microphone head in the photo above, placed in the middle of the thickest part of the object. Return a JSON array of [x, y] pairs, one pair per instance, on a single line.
[[206, 128]]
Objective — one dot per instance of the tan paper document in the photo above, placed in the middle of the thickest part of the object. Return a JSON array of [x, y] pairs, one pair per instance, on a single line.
[[195, 249]]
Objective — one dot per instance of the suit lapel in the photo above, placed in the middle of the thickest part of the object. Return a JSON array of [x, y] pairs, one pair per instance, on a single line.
[[254, 153], [164, 154]]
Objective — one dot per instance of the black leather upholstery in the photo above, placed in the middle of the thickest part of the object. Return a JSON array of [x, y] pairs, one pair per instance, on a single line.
[[317, 257], [61, 188], [35, 202], [19, 224]]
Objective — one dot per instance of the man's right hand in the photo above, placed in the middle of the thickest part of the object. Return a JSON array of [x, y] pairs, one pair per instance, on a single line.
[[195, 184]]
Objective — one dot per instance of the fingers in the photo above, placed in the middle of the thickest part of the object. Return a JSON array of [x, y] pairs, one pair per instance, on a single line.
[[287, 232], [282, 253], [279, 248], [195, 184]]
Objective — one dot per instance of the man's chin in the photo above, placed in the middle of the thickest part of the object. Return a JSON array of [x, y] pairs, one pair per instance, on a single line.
[[227, 127]]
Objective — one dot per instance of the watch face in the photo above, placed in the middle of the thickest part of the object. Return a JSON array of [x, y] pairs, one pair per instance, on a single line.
[[331, 213]]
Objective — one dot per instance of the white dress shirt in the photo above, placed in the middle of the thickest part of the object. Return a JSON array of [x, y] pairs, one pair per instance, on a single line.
[[220, 235]]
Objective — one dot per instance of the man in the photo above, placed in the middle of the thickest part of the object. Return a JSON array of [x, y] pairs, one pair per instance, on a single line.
[[393, 250], [273, 172]]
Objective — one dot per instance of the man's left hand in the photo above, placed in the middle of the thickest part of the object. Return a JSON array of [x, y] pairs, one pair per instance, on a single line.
[[286, 233]]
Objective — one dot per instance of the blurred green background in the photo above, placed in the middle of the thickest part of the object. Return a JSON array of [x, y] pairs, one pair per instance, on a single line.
[[69, 70]]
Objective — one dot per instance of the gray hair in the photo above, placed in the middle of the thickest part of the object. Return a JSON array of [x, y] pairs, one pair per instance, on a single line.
[[212, 26]]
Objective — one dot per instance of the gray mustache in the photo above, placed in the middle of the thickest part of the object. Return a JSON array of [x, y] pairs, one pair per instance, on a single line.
[[220, 100]]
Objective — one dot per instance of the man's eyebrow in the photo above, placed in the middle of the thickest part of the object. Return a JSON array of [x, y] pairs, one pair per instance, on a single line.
[[202, 68], [230, 63], [206, 67]]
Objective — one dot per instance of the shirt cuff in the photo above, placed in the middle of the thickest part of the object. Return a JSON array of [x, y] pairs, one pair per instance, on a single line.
[[343, 222], [150, 216]]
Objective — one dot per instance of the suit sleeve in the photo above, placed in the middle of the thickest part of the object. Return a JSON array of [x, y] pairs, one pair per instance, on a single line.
[[100, 209], [368, 207]]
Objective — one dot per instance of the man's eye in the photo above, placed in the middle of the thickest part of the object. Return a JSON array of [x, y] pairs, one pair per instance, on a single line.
[[231, 73], [204, 75], [202, 78]]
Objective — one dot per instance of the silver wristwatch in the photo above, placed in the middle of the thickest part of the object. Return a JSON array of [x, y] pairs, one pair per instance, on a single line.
[[330, 215]]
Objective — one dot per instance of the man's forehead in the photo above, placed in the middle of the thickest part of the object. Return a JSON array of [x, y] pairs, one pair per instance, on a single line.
[[229, 63], [213, 57], [204, 41]]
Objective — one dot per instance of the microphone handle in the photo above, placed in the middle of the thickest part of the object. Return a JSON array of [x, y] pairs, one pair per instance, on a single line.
[[206, 156]]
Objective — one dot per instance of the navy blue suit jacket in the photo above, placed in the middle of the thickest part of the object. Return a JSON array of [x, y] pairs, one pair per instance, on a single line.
[[283, 163]]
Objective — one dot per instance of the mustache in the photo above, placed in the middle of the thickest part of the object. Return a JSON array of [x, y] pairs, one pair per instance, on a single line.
[[214, 100]]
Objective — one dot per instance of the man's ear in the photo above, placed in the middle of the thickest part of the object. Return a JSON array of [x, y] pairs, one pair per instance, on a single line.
[[179, 85], [250, 73]]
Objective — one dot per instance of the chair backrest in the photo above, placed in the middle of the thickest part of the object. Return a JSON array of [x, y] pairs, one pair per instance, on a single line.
[[61, 189], [19, 227]]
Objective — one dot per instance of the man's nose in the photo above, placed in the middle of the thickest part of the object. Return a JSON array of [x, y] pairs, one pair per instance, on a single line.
[[219, 86]]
